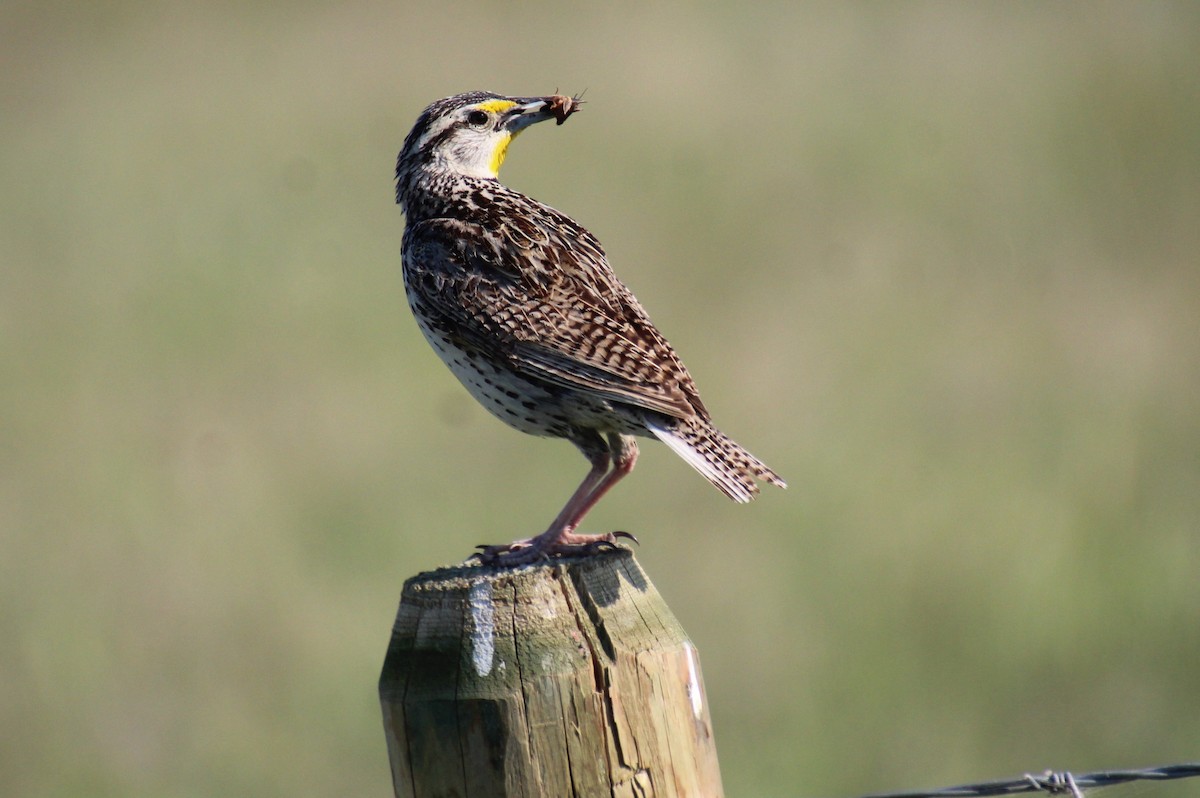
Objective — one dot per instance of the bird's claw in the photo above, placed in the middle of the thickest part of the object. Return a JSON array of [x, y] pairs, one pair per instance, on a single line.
[[522, 552], [495, 554]]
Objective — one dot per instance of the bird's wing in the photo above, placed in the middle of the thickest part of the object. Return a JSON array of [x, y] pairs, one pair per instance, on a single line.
[[546, 301]]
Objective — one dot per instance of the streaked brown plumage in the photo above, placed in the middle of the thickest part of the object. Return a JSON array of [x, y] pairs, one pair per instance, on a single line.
[[521, 304]]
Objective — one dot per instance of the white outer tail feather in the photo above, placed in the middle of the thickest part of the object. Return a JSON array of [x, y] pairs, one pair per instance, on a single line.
[[728, 484]]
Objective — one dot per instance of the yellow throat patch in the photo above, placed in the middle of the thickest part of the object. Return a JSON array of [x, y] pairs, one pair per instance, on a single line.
[[498, 155]]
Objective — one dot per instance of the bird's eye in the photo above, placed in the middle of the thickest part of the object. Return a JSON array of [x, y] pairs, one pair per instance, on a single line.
[[477, 118]]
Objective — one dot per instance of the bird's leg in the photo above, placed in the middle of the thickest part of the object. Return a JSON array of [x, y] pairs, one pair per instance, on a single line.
[[600, 460], [560, 537], [624, 451]]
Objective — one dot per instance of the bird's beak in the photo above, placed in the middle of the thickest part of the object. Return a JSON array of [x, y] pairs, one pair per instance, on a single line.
[[531, 110]]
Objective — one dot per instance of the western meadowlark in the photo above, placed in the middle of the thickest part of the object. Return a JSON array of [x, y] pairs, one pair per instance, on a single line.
[[521, 304]]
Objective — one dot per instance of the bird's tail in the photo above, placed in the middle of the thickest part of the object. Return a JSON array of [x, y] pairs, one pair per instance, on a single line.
[[732, 469]]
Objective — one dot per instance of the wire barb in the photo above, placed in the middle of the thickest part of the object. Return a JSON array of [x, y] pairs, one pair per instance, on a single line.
[[1056, 783]]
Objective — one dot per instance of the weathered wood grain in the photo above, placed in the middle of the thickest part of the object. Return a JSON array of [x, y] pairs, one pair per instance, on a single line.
[[567, 678]]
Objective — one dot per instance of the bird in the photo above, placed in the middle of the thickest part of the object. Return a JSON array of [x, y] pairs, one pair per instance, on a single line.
[[521, 304]]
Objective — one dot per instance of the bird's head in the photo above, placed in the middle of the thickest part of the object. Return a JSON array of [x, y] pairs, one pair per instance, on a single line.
[[468, 134]]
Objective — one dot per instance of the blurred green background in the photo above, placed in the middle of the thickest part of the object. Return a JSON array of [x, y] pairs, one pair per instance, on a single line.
[[934, 262]]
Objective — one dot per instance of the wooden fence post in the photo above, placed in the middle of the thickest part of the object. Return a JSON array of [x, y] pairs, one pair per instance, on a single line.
[[566, 678]]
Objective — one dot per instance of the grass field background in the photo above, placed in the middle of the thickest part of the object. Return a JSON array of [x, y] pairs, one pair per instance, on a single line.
[[936, 263]]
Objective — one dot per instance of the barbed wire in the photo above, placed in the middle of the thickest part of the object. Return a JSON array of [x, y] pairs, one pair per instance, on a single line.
[[1058, 783]]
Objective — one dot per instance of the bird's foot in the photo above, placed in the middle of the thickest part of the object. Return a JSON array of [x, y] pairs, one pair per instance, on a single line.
[[549, 546]]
